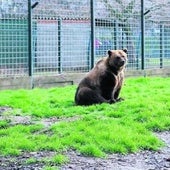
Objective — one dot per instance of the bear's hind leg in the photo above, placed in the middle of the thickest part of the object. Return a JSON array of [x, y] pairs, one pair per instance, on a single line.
[[87, 96]]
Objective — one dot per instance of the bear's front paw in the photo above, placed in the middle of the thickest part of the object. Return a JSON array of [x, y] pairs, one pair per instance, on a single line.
[[112, 101], [120, 99]]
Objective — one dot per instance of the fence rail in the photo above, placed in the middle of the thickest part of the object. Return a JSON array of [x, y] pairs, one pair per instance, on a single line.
[[52, 37]]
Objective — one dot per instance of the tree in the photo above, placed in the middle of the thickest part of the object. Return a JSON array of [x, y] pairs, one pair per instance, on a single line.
[[13, 8]]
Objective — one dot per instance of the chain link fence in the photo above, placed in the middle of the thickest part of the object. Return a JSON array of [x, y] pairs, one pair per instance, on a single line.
[[65, 36]]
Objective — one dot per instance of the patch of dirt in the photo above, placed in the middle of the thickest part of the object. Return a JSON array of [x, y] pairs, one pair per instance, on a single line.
[[22, 162], [27, 120], [14, 119], [47, 122], [144, 160], [4, 109]]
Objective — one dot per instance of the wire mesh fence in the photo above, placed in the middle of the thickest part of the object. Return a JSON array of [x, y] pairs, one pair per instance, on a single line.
[[13, 40], [119, 28], [63, 38]]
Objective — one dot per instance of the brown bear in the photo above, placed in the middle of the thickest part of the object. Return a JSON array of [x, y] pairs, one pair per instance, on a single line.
[[103, 83]]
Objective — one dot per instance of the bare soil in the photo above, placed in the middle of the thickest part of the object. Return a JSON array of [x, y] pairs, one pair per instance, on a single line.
[[144, 160]]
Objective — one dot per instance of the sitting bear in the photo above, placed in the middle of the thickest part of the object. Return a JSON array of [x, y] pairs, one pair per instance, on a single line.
[[103, 83]]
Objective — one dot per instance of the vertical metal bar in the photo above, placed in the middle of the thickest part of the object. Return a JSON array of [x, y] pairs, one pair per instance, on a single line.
[[30, 64], [142, 36], [92, 33], [123, 42], [115, 35], [161, 45], [29, 38], [59, 46]]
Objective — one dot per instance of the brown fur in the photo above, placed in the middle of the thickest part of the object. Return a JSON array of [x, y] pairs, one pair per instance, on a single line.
[[104, 82]]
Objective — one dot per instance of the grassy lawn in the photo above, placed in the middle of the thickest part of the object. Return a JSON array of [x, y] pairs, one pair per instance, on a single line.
[[95, 130]]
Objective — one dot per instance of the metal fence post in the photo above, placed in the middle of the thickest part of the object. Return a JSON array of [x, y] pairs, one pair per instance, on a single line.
[[59, 46], [161, 45], [115, 35], [30, 63], [92, 32], [29, 39], [142, 36]]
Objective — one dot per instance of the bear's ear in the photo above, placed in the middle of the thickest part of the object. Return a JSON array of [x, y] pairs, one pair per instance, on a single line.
[[109, 53], [125, 50]]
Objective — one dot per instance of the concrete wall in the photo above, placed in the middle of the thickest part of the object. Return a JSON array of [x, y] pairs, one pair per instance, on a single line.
[[67, 79]]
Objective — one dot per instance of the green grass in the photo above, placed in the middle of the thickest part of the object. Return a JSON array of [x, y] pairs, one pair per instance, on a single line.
[[57, 159], [3, 123], [49, 162], [15, 139], [31, 161], [50, 168], [95, 130]]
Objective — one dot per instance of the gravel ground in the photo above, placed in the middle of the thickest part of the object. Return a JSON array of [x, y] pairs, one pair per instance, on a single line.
[[144, 160]]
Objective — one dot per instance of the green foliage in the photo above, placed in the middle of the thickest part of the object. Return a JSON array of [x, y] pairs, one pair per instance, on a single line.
[[94, 130]]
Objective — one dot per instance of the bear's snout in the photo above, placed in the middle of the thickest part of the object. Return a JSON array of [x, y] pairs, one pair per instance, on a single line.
[[120, 61]]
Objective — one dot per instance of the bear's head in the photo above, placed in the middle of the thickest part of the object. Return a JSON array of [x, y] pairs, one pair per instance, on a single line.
[[117, 59]]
